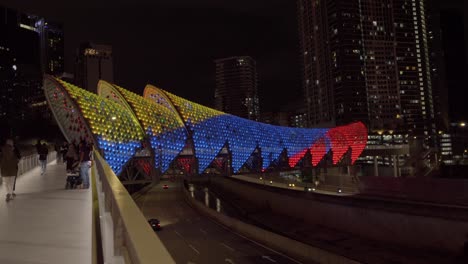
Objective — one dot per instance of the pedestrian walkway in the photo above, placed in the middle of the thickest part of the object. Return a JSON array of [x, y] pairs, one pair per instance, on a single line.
[[46, 223]]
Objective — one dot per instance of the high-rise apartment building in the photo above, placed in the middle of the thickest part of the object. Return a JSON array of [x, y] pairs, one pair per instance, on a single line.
[[367, 60], [51, 42], [290, 115], [236, 87], [25, 53], [53, 45], [93, 63]]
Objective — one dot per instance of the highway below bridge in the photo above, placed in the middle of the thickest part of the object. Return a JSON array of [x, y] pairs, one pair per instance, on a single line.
[[192, 237]]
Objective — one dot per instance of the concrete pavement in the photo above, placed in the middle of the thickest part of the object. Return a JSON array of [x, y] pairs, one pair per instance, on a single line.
[[45, 224]]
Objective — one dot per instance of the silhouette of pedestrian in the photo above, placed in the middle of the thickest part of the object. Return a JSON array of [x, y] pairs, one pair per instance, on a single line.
[[85, 162], [43, 152], [71, 156], [9, 165]]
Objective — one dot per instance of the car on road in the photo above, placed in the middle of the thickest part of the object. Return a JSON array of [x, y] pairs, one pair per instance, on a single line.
[[155, 224], [165, 186]]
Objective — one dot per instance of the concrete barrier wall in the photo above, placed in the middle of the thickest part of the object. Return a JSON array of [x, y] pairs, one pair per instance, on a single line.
[[451, 191], [334, 178], [407, 229], [132, 237], [279, 243]]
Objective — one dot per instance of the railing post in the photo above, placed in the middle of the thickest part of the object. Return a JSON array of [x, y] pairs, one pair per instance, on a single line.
[[28, 163], [118, 236], [124, 237]]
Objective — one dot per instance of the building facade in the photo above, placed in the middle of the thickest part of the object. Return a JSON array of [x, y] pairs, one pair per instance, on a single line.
[[24, 55], [93, 63], [368, 61], [53, 59], [290, 115], [236, 87]]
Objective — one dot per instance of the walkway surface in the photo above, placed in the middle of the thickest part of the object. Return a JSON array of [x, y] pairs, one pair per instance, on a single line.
[[45, 223]]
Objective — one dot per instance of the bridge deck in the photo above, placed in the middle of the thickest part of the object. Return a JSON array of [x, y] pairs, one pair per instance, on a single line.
[[45, 223]]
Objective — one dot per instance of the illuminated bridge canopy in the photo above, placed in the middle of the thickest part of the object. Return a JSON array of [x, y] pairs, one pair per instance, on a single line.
[[117, 121]]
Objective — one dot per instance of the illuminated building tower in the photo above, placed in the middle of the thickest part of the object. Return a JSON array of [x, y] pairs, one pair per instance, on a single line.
[[290, 115], [437, 66], [20, 71], [52, 49], [94, 62], [7, 73], [51, 41], [368, 61], [236, 87], [439, 76]]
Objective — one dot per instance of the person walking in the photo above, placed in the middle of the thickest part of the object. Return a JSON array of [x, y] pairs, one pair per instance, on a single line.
[[85, 163], [63, 151], [18, 155], [9, 166], [38, 145], [71, 156], [43, 152], [57, 151]]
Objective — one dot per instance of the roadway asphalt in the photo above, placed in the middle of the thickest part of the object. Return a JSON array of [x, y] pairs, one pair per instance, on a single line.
[[192, 238], [339, 242]]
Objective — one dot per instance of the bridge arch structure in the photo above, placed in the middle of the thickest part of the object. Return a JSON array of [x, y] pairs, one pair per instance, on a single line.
[[117, 121]]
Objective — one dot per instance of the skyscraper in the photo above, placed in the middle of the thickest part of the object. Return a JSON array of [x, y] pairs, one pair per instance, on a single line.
[[51, 41], [236, 87], [21, 97], [93, 63], [52, 57], [369, 61]]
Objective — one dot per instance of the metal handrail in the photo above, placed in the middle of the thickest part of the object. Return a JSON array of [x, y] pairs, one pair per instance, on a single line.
[[133, 238], [30, 162]]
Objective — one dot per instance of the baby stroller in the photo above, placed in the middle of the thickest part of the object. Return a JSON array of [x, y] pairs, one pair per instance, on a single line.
[[73, 176]]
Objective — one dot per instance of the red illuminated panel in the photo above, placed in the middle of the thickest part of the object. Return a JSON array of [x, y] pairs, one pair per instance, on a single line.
[[295, 159], [339, 142], [358, 140], [144, 165], [318, 150], [185, 163], [343, 138], [219, 163]]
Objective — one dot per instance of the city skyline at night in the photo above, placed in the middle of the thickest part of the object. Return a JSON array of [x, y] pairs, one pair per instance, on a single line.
[[174, 44], [314, 131]]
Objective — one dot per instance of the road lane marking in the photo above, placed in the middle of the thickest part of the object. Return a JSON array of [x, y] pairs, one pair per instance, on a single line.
[[269, 258], [229, 261], [177, 233], [203, 231], [228, 247], [194, 249], [255, 242]]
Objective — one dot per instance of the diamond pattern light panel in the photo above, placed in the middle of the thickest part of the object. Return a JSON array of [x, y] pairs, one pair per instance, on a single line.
[[167, 134], [213, 129], [114, 130], [119, 119]]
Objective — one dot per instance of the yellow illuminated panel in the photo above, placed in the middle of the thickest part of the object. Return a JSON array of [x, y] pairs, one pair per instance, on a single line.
[[106, 118]]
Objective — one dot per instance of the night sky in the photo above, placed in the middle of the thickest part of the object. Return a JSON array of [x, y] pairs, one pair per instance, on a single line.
[[456, 68], [173, 43]]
